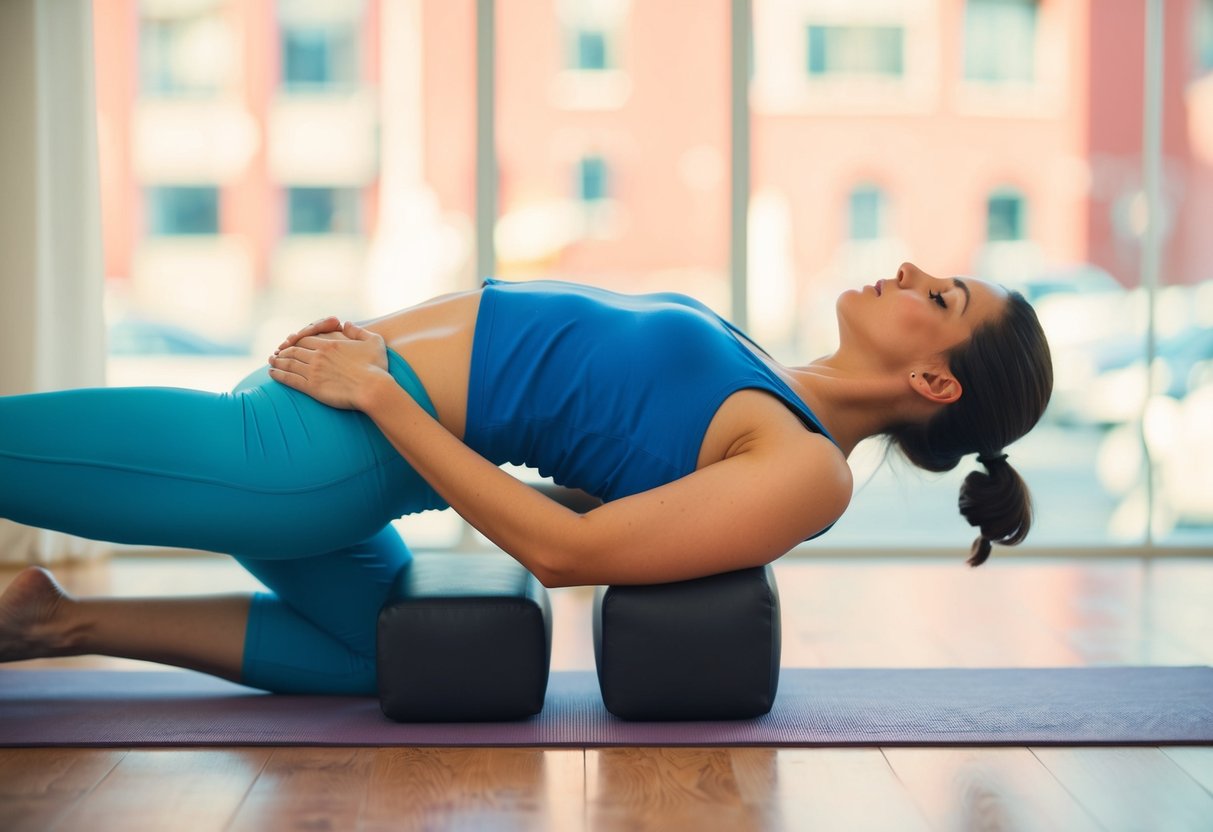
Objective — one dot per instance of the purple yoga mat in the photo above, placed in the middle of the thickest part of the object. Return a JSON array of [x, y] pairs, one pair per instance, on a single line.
[[1066, 706]]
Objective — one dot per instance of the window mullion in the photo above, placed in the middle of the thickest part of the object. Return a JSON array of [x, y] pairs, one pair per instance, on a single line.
[[739, 163], [1151, 157], [486, 147]]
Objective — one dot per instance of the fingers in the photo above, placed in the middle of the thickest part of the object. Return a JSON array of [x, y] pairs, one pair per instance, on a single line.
[[289, 379], [298, 354], [292, 360], [330, 324], [354, 332], [287, 368]]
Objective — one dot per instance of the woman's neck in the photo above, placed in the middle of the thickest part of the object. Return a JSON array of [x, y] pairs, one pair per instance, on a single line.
[[852, 402]]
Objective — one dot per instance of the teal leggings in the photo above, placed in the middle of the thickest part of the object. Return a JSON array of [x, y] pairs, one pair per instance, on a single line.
[[299, 493]]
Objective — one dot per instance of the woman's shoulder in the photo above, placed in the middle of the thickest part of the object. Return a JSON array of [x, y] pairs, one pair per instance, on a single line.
[[794, 466], [754, 419]]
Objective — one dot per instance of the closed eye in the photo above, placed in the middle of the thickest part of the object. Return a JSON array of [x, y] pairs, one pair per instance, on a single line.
[[938, 298]]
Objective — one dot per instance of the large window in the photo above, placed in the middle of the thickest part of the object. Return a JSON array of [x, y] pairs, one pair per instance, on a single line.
[[972, 138]]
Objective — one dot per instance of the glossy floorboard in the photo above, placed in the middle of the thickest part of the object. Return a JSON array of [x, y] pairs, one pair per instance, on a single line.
[[857, 613]]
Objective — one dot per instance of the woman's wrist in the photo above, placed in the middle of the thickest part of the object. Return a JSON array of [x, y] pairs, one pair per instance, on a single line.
[[377, 392]]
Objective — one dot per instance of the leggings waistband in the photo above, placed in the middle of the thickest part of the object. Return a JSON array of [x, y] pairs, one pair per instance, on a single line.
[[409, 381]]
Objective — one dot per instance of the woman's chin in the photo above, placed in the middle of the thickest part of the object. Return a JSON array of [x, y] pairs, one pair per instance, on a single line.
[[848, 298]]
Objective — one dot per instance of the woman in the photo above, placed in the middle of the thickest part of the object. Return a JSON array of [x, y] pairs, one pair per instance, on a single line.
[[710, 457]]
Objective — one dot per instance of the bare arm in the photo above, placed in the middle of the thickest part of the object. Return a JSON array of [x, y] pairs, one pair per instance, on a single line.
[[744, 511]]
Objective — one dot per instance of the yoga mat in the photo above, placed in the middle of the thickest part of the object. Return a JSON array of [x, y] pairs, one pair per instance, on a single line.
[[1054, 706]]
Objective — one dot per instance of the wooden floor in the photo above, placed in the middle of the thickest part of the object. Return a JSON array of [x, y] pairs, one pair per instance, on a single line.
[[856, 613]]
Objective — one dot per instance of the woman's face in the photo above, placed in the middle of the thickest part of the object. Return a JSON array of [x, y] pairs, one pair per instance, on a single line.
[[914, 316]]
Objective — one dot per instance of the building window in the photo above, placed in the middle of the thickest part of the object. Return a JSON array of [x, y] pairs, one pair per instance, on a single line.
[[590, 50], [1000, 41], [182, 209], [1005, 217], [1203, 32], [184, 55], [319, 58], [322, 211], [592, 179], [856, 50], [591, 31], [867, 211]]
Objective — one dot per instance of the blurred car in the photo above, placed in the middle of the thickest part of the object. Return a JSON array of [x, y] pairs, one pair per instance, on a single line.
[[1118, 385], [1177, 434], [135, 336], [1080, 279], [1091, 321], [143, 353]]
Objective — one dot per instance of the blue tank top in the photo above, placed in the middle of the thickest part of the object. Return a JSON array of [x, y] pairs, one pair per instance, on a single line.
[[602, 391]]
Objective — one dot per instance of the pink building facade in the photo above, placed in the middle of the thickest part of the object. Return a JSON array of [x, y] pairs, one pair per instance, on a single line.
[[613, 138]]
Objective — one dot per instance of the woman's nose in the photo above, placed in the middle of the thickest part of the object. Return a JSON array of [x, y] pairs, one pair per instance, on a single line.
[[906, 273]]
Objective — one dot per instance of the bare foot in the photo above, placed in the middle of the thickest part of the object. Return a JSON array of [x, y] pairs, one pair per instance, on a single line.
[[28, 611]]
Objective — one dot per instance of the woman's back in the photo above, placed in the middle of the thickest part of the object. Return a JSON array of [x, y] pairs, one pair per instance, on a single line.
[[607, 392]]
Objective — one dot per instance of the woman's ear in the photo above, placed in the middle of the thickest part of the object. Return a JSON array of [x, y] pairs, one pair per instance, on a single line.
[[937, 385]]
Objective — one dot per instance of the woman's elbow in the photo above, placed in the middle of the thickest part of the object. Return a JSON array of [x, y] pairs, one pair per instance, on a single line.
[[555, 570], [563, 563], [552, 575]]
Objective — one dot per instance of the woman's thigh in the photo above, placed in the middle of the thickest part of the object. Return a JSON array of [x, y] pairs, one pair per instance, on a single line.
[[264, 471]]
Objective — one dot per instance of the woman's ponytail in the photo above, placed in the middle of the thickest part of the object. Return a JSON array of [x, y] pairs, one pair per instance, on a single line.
[[998, 503]]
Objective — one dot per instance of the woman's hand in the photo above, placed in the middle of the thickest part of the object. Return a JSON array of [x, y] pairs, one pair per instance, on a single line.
[[335, 368]]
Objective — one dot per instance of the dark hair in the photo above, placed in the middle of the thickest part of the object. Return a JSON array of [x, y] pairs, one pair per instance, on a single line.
[[1006, 374]]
